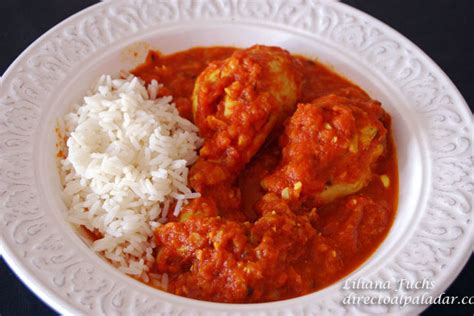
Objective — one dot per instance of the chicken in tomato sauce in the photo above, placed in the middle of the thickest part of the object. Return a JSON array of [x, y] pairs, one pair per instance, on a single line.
[[297, 174]]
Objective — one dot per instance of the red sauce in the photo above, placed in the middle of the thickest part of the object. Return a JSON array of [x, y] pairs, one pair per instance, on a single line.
[[178, 72], [255, 236]]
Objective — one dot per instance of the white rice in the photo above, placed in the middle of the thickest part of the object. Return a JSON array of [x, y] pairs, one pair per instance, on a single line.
[[127, 162]]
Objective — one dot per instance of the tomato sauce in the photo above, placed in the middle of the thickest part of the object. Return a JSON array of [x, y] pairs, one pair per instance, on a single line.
[[243, 243]]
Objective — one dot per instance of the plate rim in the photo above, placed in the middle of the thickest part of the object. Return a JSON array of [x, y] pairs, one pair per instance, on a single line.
[[43, 291]]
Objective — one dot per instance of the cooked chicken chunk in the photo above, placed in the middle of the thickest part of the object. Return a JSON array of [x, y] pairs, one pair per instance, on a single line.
[[329, 147], [236, 104]]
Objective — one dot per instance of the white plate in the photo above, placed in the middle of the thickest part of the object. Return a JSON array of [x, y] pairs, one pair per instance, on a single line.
[[432, 234]]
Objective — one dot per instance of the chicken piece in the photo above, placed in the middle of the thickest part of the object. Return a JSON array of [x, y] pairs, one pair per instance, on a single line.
[[328, 149], [228, 261], [236, 104]]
